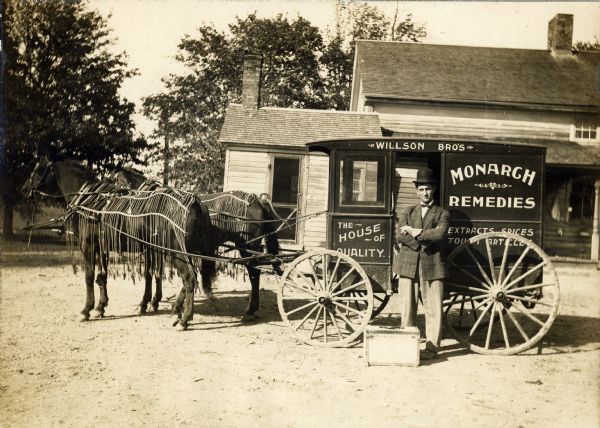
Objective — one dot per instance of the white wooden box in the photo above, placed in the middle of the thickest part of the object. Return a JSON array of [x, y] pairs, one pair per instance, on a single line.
[[391, 346]]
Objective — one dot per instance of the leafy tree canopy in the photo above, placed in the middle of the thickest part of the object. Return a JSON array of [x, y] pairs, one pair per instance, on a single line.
[[302, 68], [61, 87], [588, 46]]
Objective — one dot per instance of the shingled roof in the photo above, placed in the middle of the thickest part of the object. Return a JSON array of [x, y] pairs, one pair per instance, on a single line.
[[293, 127], [419, 71]]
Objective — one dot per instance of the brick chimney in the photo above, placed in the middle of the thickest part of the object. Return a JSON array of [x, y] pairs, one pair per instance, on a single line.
[[251, 81], [560, 34]]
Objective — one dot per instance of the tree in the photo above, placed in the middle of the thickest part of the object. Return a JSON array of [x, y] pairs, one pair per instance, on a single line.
[[356, 21], [587, 46], [300, 70], [190, 112], [61, 95]]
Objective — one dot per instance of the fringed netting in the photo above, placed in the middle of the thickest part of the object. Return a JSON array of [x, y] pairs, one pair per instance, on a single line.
[[139, 226], [229, 215]]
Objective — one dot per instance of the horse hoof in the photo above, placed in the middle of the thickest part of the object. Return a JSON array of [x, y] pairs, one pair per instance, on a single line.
[[98, 315], [84, 317], [155, 307], [181, 327], [207, 295], [248, 318]]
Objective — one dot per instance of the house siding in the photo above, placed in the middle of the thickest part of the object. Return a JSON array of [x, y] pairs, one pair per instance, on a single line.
[[247, 171]]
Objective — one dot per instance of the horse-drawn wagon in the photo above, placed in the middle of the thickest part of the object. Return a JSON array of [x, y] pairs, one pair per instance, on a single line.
[[502, 295]]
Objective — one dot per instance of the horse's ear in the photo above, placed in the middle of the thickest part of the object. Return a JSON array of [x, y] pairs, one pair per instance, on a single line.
[[43, 160]]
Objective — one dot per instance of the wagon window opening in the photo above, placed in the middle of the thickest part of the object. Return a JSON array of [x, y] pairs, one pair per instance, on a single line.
[[361, 181]]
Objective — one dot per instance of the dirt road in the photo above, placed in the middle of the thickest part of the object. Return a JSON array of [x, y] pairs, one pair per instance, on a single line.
[[126, 370]]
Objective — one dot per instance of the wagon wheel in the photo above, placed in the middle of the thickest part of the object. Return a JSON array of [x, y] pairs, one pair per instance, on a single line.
[[500, 304], [380, 300], [326, 298]]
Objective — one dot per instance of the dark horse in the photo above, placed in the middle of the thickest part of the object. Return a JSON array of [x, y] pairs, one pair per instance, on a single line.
[[104, 218], [238, 217]]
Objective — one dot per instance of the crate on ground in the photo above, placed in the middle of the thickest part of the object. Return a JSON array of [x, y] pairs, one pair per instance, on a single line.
[[387, 345]]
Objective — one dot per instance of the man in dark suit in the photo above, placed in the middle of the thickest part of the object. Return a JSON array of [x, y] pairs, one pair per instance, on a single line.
[[421, 235]]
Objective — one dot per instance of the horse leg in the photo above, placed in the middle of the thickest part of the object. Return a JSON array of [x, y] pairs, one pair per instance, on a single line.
[[158, 277], [158, 292], [147, 290], [89, 262], [102, 281], [207, 270], [148, 265], [177, 307], [253, 305], [188, 277]]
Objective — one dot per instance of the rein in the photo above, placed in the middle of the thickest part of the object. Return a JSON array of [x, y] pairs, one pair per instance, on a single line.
[[77, 194], [248, 220]]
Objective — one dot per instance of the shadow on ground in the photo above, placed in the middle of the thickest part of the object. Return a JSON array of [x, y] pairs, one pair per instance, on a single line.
[[571, 334]]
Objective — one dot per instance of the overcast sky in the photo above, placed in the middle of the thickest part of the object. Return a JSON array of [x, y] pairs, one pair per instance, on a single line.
[[149, 30]]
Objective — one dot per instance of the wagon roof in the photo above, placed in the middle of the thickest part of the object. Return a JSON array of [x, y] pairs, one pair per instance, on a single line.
[[418, 71], [559, 153], [358, 143]]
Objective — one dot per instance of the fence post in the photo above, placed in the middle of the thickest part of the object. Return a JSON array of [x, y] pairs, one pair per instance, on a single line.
[[595, 231]]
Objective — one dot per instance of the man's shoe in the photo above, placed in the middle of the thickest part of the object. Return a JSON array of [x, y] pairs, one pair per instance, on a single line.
[[428, 355]]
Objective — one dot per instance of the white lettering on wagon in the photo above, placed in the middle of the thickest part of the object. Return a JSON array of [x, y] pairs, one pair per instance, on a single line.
[[361, 232], [362, 252], [517, 172], [492, 202], [399, 145]]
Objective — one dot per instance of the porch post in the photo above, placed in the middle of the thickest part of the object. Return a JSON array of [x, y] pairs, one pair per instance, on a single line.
[[595, 231]]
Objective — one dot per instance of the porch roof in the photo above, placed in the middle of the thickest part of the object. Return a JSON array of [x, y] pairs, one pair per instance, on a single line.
[[293, 127]]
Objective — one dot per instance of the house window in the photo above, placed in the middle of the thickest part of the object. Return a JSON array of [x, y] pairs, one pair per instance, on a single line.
[[286, 175], [585, 130], [581, 200]]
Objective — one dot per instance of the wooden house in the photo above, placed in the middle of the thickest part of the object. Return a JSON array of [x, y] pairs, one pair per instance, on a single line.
[[548, 97], [265, 153]]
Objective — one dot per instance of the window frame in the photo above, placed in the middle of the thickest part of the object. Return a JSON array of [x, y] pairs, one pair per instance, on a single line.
[[579, 126], [362, 207], [299, 197]]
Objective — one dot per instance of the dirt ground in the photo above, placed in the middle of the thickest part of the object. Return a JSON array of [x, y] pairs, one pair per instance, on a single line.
[[126, 370]]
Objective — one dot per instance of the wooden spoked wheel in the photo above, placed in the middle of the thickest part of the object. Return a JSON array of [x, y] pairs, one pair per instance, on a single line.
[[326, 298], [502, 295], [380, 300]]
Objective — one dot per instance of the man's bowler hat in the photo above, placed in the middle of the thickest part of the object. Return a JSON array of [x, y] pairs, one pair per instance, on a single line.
[[425, 176]]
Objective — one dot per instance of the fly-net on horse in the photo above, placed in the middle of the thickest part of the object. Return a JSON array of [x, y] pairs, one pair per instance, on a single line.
[[242, 218], [105, 218], [133, 222]]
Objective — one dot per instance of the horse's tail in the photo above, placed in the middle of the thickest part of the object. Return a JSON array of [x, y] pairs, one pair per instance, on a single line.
[[269, 229]]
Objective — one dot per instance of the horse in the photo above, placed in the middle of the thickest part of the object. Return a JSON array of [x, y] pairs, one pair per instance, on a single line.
[[106, 218], [238, 217]]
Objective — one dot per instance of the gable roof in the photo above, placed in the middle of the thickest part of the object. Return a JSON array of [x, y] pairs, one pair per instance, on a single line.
[[293, 127], [417, 71]]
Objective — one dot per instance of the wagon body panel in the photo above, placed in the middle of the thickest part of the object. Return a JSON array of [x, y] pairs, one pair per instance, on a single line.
[[486, 186], [494, 192]]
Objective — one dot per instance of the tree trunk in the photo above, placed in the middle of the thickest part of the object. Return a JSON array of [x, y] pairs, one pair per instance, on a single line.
[[7, 225]]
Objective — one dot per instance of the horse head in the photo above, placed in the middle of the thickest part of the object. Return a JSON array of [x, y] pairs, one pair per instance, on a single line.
[[58, 178], [40, 178], [128, 177]]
